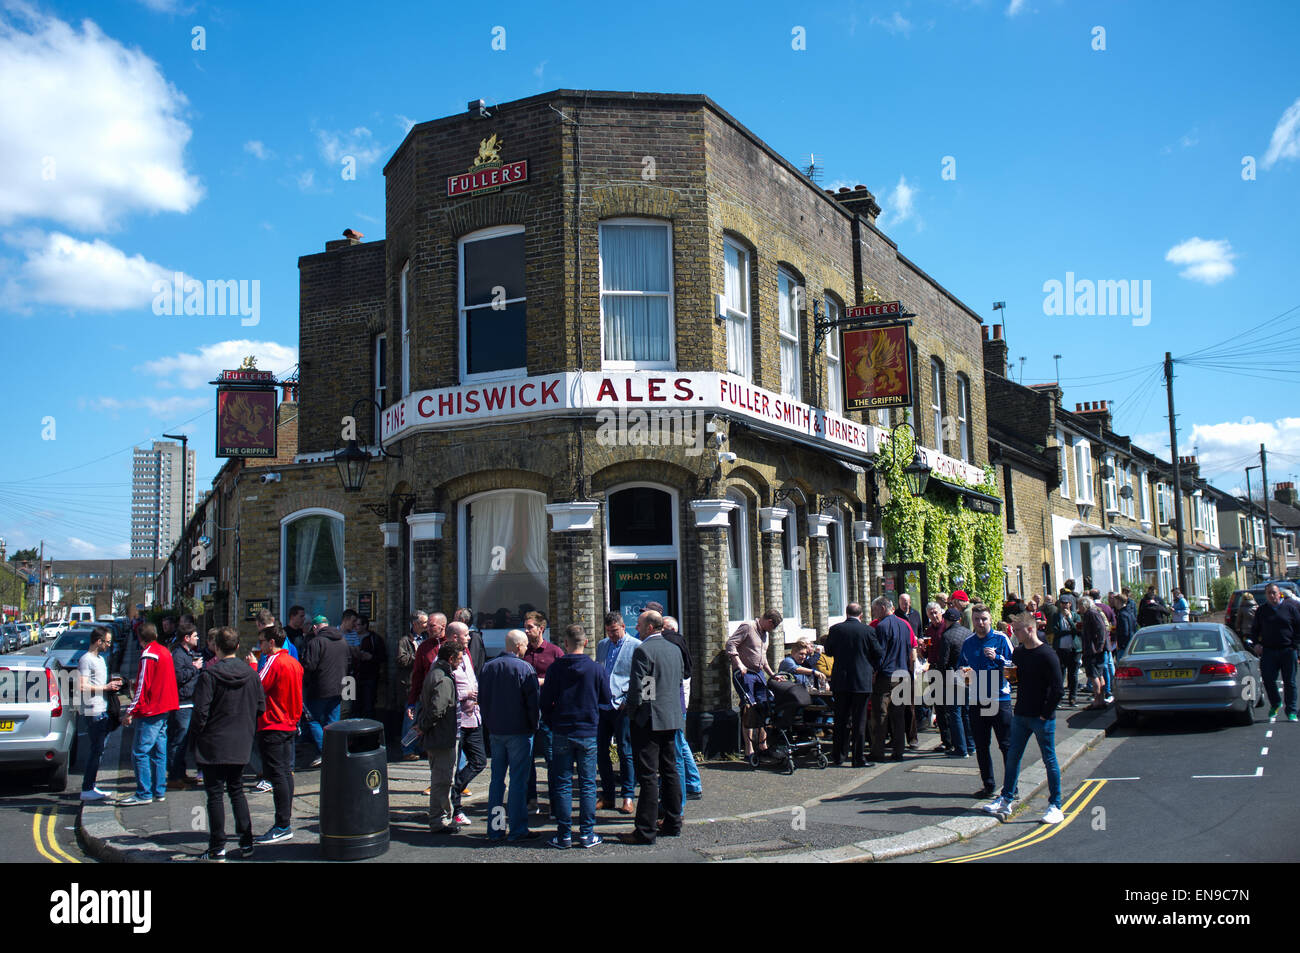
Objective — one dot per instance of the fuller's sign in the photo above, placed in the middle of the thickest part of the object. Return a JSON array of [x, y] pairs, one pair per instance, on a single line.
[[877, 368], [877, 309], [487, 173]]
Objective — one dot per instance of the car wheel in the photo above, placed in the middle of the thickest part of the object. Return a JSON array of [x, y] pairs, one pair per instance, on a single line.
[[57, 779], [1125, 718], [1246, 717]]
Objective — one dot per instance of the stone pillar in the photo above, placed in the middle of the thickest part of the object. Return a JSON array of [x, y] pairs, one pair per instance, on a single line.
[[771, 525], [394, 612], [426, 542], [711, 684], [818, 618], [861, 566], [573, 554]]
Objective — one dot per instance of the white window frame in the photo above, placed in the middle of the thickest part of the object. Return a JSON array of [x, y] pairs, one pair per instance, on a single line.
[[937, 381], [835, 543], [380, 382], [792, 624], [742, 365], [403, 294], [284, 539], [626, 554], [462, 555], [965, 450], [787, 298], [1063, 440], [483, 234], [1145, 483], [834, 366], [741, 530], [1083, 472], [1109, 488], [671, 362]]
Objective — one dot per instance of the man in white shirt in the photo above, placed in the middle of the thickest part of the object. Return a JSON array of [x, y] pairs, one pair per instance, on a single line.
[[92, 685]]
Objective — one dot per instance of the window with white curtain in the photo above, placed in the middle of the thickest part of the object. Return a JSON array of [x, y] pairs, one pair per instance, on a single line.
[[937, 401], [966, 448], [636, 293], [504, 541], [1145, 485], [493, 307], [738, 577], [736, 283], [1083, 472], [834, 371], [311, 562], [1067, 462], [835, 575], [789, 298], [1108, 484], [403, 299]]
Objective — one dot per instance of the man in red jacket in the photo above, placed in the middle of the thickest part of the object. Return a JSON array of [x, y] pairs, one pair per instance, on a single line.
[[277, 727], [155, 699]]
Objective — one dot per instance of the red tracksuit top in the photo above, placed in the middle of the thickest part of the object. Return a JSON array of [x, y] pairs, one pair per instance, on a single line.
[[282, 683], [156, 687]]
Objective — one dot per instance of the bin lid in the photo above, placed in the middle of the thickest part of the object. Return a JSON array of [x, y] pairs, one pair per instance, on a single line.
[[354, 726]]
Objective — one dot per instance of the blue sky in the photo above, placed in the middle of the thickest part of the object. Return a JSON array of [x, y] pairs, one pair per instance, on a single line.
[[131, 155]]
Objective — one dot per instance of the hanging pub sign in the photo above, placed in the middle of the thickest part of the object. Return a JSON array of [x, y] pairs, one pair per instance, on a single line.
[[876, 368], [246, 406], [487, 173]]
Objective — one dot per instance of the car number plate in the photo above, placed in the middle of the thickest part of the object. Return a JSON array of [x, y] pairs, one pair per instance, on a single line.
[[6, 726], [1173, 673]]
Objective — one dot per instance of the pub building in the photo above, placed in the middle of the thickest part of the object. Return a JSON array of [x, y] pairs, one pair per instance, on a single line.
[[583, 372]]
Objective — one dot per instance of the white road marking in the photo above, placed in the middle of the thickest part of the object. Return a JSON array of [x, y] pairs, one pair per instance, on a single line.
[[1269, 733], [1114, 779], [1259, 773], [1263, 751]]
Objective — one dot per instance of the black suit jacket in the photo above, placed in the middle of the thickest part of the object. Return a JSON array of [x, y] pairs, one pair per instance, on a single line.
[[913, 619], [853, 645]]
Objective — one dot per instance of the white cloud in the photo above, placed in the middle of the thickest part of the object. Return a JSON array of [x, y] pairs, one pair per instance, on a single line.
[[1285, 143], [896, 24], [161, 6], [256, 148], [196, 369], [540, 69], [359, 144], [1223, 446], [1015, 7], [91, 276], [83, 549], [165, 407], [900, 204], [406, 122], [96, 131], [306, 179], [1204, 260]]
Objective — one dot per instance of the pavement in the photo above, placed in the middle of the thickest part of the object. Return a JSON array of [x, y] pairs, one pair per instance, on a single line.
[[831, 815]]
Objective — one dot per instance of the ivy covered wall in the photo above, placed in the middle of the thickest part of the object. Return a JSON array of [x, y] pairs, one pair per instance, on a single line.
[[954, 542]]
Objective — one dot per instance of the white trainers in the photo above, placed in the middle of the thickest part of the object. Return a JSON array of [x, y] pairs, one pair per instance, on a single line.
[[1053, 816], [94, 794], [999, 805], [461, 819]]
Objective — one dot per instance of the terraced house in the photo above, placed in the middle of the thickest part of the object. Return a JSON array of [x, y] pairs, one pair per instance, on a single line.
[[589, 348]]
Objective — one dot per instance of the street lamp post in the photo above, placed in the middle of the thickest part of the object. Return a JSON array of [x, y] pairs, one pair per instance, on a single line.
[[352, 461]]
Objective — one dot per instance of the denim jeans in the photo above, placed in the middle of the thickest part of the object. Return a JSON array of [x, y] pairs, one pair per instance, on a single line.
[[985, 727], [1272, 663], [96, 732], [1108, 662], [407, 722], [149, 755], [178, 732], [959, 729], [541, 746], [565, 752], [1045, 731], [513, 753], [470, 751], [613, 726], [686, 767], [324, 712]]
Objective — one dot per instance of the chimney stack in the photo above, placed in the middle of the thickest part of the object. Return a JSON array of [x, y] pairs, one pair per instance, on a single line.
[[995, 351], [1098, 410], [1286, 493], [857, 199]]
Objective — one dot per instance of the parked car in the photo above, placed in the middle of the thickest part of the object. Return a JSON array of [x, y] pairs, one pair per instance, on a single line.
[[1187, 666], [30, 634], [68, 648], [37, 724], [10, 639], [1234, 600], [52, 630]]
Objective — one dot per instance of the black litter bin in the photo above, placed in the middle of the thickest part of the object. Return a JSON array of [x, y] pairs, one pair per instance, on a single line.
[[354, 791]]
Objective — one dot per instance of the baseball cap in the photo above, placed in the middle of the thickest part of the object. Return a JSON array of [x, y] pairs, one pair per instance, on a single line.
[[952, 615], [960, 594], [320, 620]]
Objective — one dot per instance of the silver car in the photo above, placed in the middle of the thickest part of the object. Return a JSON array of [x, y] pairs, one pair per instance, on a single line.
[[37, 719], [1187, 666]]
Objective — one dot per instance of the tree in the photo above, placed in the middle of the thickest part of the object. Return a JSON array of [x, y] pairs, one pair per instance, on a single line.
[[26, 555]]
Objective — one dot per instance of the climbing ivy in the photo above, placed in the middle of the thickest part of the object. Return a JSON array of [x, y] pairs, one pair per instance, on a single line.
[[953, 541]]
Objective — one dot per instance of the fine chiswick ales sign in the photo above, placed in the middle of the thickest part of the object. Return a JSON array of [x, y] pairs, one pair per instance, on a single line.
[[573, 393]]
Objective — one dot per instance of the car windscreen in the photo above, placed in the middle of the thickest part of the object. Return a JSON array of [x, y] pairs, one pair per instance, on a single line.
[[73, 641], [1183, 640]]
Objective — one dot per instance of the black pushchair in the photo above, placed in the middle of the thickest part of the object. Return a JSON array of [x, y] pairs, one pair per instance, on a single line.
[[795, 723]]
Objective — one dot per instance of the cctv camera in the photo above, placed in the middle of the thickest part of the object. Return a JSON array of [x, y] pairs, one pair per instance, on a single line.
[[727, 457], [719, 438]]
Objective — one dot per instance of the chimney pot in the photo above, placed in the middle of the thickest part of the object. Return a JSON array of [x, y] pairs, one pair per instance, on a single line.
[[859, 188], [844, 188], [997, 332], [984, 330]]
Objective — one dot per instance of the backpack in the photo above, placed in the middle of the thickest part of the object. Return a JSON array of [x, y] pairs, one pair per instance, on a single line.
[[114, 710]]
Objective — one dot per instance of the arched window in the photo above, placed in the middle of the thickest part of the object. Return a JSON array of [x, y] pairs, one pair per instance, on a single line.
[[312, 562], [836, 577], [641, 548], [738, 573], [794, 561], [504, 568]]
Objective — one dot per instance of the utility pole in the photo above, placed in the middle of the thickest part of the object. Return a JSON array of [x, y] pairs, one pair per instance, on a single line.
[[1250, 519], [1268, 515], [1178, 473]]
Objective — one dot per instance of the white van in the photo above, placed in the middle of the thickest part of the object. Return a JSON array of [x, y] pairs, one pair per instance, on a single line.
[[81, 614]]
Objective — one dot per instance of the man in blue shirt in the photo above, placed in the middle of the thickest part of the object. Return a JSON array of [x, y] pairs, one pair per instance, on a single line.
[[508, 695], [614, 654], [986, 654], [896, 656]]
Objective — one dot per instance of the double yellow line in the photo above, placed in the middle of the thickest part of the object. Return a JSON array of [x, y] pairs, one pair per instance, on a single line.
[[1071, 809], [58, 855]]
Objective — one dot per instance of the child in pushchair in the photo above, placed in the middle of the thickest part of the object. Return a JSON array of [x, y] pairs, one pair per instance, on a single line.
[[795, 723]]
